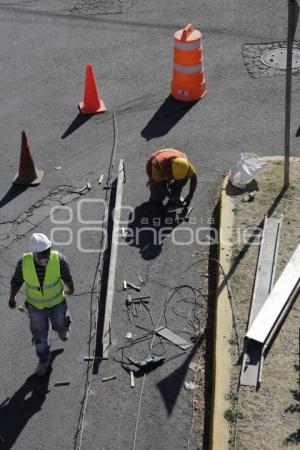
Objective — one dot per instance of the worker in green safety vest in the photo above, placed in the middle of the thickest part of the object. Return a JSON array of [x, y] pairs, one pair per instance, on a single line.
[[45, 272]]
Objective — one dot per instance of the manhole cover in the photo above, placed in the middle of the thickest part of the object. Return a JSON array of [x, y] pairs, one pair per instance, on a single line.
[[277, 58]]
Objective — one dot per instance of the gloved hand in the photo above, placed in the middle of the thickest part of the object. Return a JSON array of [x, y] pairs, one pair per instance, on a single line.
[[12, 303], [188, 199]]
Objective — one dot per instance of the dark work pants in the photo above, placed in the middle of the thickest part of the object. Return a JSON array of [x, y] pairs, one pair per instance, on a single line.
[[39, 326], [157, 190]]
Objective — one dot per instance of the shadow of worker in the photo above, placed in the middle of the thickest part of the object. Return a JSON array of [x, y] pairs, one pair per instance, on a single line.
[[16, 411], [166, 117], [171, 385], [148, 227]]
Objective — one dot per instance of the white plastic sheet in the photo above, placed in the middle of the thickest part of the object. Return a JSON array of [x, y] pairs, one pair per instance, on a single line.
[[245, 169]]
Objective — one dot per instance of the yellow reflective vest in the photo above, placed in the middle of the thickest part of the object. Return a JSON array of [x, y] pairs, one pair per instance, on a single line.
[[52, 291]]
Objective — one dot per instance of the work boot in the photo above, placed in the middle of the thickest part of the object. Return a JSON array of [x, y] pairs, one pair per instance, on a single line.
[[43, 366], [64, 335]]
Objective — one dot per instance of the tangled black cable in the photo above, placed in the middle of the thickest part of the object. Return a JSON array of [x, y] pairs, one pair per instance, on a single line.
[[157, 345]]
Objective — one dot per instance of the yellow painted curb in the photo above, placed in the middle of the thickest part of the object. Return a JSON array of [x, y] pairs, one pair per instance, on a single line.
[[223, 331]]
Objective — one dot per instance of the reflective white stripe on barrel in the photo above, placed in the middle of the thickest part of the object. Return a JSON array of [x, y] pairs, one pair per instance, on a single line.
[[187, 46], [188, 69]]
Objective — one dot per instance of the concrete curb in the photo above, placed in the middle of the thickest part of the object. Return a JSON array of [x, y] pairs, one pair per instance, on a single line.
[[221, 371]]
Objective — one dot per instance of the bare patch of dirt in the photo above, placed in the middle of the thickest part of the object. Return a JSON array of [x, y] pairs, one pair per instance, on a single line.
[[267, 418]]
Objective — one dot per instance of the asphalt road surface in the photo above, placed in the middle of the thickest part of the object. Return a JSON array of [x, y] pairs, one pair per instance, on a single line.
[[44, 49]]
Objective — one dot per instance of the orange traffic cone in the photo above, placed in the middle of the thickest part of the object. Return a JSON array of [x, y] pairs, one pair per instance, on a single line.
[[28, 174], [92, 103], [188, 82]]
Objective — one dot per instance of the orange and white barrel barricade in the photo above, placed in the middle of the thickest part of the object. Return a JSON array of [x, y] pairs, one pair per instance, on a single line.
[[188, 82]]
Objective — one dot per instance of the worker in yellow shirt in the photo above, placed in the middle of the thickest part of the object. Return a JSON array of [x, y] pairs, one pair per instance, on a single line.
[[168, 171]]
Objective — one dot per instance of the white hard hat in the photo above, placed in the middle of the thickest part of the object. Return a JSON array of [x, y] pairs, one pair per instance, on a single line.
[[39, 242]]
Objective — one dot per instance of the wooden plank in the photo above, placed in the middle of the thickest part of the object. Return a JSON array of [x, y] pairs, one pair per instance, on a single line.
[[266, 265], [285, 287], [172, 337], [264, 279], [106, 338]]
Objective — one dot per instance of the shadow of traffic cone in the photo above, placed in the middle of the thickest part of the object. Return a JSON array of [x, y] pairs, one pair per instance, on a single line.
[[92, 103], [28, 174]]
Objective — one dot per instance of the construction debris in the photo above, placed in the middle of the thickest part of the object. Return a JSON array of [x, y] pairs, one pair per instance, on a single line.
[[133, 286], [91, 358], [131, 300], [62, 383], [140, 279], [267, 323], [83, 189], [87, 186], [148, 361], [134, 306], [131, 379], [253, 357], [111, 377], [285, 288], [127, 284], [172, 337]]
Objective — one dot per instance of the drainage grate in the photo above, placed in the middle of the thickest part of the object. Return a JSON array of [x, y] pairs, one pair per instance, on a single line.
[[269, 59]]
